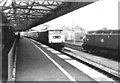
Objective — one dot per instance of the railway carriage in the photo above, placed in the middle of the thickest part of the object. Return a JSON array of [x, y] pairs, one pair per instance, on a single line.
[[31, 34], [103, 41]]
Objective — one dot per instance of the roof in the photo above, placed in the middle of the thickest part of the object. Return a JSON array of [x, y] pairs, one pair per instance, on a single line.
[[25, 14]]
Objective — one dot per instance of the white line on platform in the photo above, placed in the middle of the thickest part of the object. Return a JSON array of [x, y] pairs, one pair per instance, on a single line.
[[63, 56], [50, 49], [44, 45], [89, 71], [54, 51], [64, 71]]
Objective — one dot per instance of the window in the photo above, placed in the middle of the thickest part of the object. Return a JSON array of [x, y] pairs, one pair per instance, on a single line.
[[55, 32]]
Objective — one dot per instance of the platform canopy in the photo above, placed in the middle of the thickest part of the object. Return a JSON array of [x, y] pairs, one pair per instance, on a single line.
[[25, 14]]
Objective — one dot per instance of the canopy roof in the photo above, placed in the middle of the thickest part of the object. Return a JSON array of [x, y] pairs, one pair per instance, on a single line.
[[25, 14]]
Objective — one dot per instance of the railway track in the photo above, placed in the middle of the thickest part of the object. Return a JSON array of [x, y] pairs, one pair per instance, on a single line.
[[73, 46], [99, 67]]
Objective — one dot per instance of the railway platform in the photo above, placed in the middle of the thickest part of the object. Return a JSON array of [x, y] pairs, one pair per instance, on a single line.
[[32, 65], [36, 63], [79, 43], [104, 63]]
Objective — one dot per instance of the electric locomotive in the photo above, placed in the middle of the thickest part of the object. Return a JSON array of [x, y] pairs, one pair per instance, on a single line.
[[52, 37], [103, 42]]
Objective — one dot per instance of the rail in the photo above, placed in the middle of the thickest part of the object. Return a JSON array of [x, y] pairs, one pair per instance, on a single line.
[[102, 67]]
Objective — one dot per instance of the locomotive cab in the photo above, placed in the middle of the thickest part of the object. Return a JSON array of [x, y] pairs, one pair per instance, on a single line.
[[56, 36]]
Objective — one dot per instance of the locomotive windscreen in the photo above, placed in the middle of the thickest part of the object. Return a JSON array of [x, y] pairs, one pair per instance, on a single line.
[[55, 32]]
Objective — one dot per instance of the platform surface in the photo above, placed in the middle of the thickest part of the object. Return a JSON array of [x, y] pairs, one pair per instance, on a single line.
[[33, 65]]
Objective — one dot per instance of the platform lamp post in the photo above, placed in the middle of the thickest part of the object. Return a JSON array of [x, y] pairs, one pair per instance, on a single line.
[[73, 33]]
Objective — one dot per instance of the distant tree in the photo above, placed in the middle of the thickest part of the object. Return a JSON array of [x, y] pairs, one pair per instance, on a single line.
[[105, 28], [79, 28], [66, 28]]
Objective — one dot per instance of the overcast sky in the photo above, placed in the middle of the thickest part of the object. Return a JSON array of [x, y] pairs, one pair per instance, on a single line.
[[103, 13]]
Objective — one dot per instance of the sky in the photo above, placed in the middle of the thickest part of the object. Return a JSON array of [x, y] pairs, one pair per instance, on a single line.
[[98, 15]]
